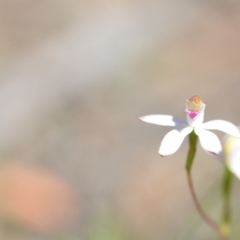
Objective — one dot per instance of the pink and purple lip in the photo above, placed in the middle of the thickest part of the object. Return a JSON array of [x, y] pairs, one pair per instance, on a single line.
[[192, 114]]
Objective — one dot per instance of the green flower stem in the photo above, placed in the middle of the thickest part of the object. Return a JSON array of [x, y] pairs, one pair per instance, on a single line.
[[226, 193], [193, 138]]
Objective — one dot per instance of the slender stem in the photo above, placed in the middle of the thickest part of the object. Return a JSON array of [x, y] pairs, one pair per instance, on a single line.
[[193, 138], [226, 191], [198, 206]]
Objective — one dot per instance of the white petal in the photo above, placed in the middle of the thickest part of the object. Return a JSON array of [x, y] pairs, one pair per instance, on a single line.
[[164, 120], [223, 126], [173, 140], [209, 141]]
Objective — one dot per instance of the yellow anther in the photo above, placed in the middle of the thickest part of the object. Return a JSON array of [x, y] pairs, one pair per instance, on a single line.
[[196, 100]]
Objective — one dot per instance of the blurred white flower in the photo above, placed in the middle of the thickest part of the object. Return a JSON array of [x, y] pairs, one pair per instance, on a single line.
[[231, 154], [195, 114]]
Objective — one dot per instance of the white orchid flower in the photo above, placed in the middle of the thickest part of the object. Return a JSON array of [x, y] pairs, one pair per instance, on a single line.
[[195, 114], [231, 150]]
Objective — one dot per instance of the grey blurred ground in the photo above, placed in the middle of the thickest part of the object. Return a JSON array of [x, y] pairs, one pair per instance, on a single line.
[[75, 76]]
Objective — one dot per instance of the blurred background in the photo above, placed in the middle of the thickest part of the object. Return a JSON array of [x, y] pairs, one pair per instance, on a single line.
[[75, 161]]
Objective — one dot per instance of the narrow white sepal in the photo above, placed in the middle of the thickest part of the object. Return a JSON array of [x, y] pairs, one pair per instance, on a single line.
[[164, 120], [223, 126], [209, 141], [173, 140]]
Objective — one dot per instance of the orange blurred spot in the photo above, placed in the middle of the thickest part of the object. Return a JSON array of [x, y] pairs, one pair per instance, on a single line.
[[36, 198]]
